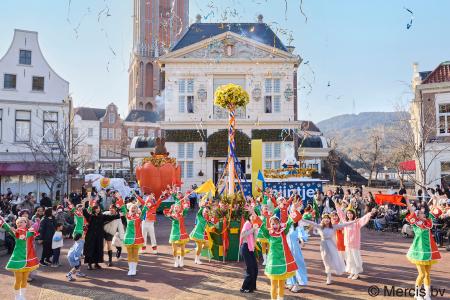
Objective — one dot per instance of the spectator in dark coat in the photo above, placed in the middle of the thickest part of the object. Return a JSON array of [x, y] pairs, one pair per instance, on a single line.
[[45, 201], [93, 246], [46, 231]]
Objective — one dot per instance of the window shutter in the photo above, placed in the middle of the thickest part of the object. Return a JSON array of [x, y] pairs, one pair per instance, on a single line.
[[181, 150], [181, 104]]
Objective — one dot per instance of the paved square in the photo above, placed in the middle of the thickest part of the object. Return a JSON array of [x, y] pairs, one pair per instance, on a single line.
[[384, 255]]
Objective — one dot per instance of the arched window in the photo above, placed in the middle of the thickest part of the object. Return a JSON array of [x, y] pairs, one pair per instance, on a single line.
[[141, 105], [149, 80], [141, 79], [149, 106]]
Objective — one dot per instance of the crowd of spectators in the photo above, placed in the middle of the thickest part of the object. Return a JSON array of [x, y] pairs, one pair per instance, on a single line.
[[390, 216]]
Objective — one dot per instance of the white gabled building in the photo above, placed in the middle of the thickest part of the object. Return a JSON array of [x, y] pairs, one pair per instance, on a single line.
[[86, 134], [210, 55], [33, 100]]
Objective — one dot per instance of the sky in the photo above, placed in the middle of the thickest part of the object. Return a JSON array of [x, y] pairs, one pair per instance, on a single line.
[[357, 54]]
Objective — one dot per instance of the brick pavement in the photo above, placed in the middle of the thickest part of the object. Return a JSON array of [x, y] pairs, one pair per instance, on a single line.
[[383, 254]]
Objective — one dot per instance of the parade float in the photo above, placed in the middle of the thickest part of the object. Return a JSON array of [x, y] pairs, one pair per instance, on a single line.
[[158, 171]]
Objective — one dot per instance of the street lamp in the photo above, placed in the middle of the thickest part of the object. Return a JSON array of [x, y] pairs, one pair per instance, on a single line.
[[201, 152]]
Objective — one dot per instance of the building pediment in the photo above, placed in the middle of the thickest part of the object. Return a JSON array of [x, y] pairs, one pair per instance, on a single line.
[[228, 47]]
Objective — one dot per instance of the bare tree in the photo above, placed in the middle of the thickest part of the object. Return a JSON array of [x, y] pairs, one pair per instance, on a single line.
[[333, 159], [370, 153], [58, 149], [415, 136]]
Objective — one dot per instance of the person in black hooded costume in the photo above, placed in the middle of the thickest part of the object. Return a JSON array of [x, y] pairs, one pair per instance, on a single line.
[[93, 246]]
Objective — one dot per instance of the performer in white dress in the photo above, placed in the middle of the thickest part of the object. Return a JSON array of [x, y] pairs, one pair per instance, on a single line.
[[328, 250]]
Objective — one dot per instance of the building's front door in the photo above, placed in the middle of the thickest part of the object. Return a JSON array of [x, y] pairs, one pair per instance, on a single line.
[[219, 167]]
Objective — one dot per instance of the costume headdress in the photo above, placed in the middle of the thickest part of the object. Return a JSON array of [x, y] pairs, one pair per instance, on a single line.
[[350, 208], [326, 215]]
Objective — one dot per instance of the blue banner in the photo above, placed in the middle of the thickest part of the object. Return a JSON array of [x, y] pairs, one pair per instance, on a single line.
[[305, 189]]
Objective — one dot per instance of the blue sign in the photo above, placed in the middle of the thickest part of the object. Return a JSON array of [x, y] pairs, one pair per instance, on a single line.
[[305, 189]]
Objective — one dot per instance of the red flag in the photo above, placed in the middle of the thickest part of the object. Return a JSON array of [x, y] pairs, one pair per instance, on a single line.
[[381, 199]]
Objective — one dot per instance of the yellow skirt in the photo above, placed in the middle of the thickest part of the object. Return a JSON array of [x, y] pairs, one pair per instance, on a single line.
[[423, 262], [262, 240], [281, 277], [181, 242], [199, 240], [31, 269]]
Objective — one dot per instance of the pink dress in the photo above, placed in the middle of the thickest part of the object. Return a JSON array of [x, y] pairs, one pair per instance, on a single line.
[[352, 242]]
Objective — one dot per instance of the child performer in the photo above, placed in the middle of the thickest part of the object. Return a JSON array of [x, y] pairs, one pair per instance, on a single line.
[[74, 257], [352, 239], [330, 257], [280, 262], [339, 237], [23, 259], [178, 236], [262, 234], [133, 239], [198, 234], [423, 251], [148, 225], [296, 234], [78, 218]]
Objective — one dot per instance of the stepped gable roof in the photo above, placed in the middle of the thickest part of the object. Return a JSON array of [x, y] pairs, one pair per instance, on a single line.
[[142, 116], [260, 32], [440, 74], [89, 113]]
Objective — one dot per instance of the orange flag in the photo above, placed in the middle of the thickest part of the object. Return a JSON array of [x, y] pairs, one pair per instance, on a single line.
[[381, 199]]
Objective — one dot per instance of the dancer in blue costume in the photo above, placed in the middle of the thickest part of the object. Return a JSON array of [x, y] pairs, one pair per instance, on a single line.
[[297, 234]]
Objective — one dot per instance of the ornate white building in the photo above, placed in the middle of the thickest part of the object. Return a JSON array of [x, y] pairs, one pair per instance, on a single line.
[[210, 55], [34, 101]]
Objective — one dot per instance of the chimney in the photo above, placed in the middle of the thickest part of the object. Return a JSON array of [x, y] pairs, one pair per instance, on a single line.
[[415, 67], [416, 77], [260, 18], [198, 18], [290, 49]]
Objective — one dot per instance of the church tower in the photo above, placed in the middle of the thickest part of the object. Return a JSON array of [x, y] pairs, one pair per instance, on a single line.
[[157, 26]]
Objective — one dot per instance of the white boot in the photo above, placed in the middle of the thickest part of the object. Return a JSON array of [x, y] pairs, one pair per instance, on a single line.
[[328, 278], [264, 259], [17, 295], [427, 292], [181, 261], [197, 260], [130, 269], [134, 267], [296, 288], [22, 293], [280, 298], [417, 294], [175, 264]]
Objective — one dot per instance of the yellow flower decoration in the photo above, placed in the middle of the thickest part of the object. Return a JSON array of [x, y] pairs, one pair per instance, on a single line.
[[231, 96]]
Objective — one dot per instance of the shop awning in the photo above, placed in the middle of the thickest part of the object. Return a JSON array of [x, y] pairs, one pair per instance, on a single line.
[[26, 168], [409, 165]]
